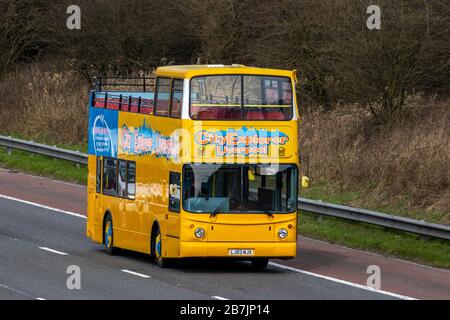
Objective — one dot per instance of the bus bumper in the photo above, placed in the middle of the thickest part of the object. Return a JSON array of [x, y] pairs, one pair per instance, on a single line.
[[281, 250]]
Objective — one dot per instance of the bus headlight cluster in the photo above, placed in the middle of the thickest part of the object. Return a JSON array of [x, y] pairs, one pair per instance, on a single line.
[[282, 233], [199, 233]]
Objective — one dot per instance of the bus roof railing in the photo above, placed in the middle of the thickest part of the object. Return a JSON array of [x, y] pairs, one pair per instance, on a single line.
[[137, 84]]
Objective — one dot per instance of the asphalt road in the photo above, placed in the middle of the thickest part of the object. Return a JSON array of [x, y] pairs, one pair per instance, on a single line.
[[28, 270]]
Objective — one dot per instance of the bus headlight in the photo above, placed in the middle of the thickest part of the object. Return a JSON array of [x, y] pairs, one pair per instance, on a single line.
[[282, 233], [199, 233]]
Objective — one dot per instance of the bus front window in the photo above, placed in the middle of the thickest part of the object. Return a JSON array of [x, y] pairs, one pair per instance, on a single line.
[[240, 188]]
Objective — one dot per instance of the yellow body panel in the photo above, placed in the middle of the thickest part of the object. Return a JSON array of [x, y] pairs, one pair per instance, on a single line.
[[191, 141], [190, 71]]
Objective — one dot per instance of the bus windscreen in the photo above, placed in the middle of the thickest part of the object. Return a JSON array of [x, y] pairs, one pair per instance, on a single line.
[[240, 188]]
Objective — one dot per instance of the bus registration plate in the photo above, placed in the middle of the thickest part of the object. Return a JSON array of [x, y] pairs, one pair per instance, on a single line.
[[240, 252]]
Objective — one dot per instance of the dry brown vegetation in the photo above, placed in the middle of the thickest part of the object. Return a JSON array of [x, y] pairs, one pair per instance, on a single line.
[[404, 162], [44, 103]]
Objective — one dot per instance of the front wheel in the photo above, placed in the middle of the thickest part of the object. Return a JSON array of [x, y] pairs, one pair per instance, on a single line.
[[108, 235], [157, 250], [260, 263]]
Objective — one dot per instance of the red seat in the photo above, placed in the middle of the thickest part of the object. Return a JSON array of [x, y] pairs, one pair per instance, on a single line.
[[232, 114], [275, 115], [255, 115], [206, 115], [99, 103], [147, 110]]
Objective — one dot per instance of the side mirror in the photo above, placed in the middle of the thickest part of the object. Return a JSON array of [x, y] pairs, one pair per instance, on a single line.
[[305, 182]]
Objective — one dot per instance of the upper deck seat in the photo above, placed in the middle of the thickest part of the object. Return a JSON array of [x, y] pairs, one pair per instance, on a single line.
[[112, 103], [147, 106], [275, 115], [99, 103], [255, 115], [232, 114], [206, 115], [134, 105]]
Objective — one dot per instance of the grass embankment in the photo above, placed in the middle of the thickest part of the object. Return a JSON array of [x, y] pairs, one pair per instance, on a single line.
[[42, 165], [351, 234]]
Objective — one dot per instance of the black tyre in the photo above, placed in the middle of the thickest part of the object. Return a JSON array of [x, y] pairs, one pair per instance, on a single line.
[[260, 263], [157, 250], [108, 235]]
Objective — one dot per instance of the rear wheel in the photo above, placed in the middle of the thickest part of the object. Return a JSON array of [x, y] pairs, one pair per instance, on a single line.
[[108, 235], [260, 263], [157, 250]]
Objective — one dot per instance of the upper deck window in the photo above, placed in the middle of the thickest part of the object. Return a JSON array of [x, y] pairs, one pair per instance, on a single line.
[[241, 97], [162, 97], [176, 101]]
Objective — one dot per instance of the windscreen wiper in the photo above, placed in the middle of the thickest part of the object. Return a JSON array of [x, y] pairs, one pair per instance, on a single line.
[[268, 212], [219, 207]]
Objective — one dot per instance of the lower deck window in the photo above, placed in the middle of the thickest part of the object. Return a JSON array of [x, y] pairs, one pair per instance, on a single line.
[[131, 179], [119, 177], [110, 176]]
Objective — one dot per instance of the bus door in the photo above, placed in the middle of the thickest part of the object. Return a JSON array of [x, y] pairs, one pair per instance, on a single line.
[[173, 212], [95, 196]]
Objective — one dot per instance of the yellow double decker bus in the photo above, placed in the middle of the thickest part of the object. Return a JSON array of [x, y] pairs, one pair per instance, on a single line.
[[201, 161]]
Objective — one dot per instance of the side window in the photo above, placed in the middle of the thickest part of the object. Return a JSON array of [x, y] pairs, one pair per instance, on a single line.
[[131, 179], [122, 185], [98, 186], [162, 97], [110, 176], [176, 100], [174, 192]]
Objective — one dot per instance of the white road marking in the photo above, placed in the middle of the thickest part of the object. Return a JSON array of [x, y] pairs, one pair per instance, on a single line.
[[356, 285], [54, 251], [135, 273], [41, 299], [219, 298], [352, 284], [4, 286], [43, 206]]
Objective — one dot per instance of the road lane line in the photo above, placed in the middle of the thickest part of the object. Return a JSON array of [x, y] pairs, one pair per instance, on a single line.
[[219, 298], [40, 299], [53, 251], [348, 283], [135, 273], [4, 286], [43, 206]]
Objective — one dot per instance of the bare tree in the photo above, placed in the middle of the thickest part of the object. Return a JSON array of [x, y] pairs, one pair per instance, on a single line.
[[18, 31], [379, 68]]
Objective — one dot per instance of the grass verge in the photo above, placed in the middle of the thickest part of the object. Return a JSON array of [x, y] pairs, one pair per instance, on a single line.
[[351, 234], [42, 165]]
